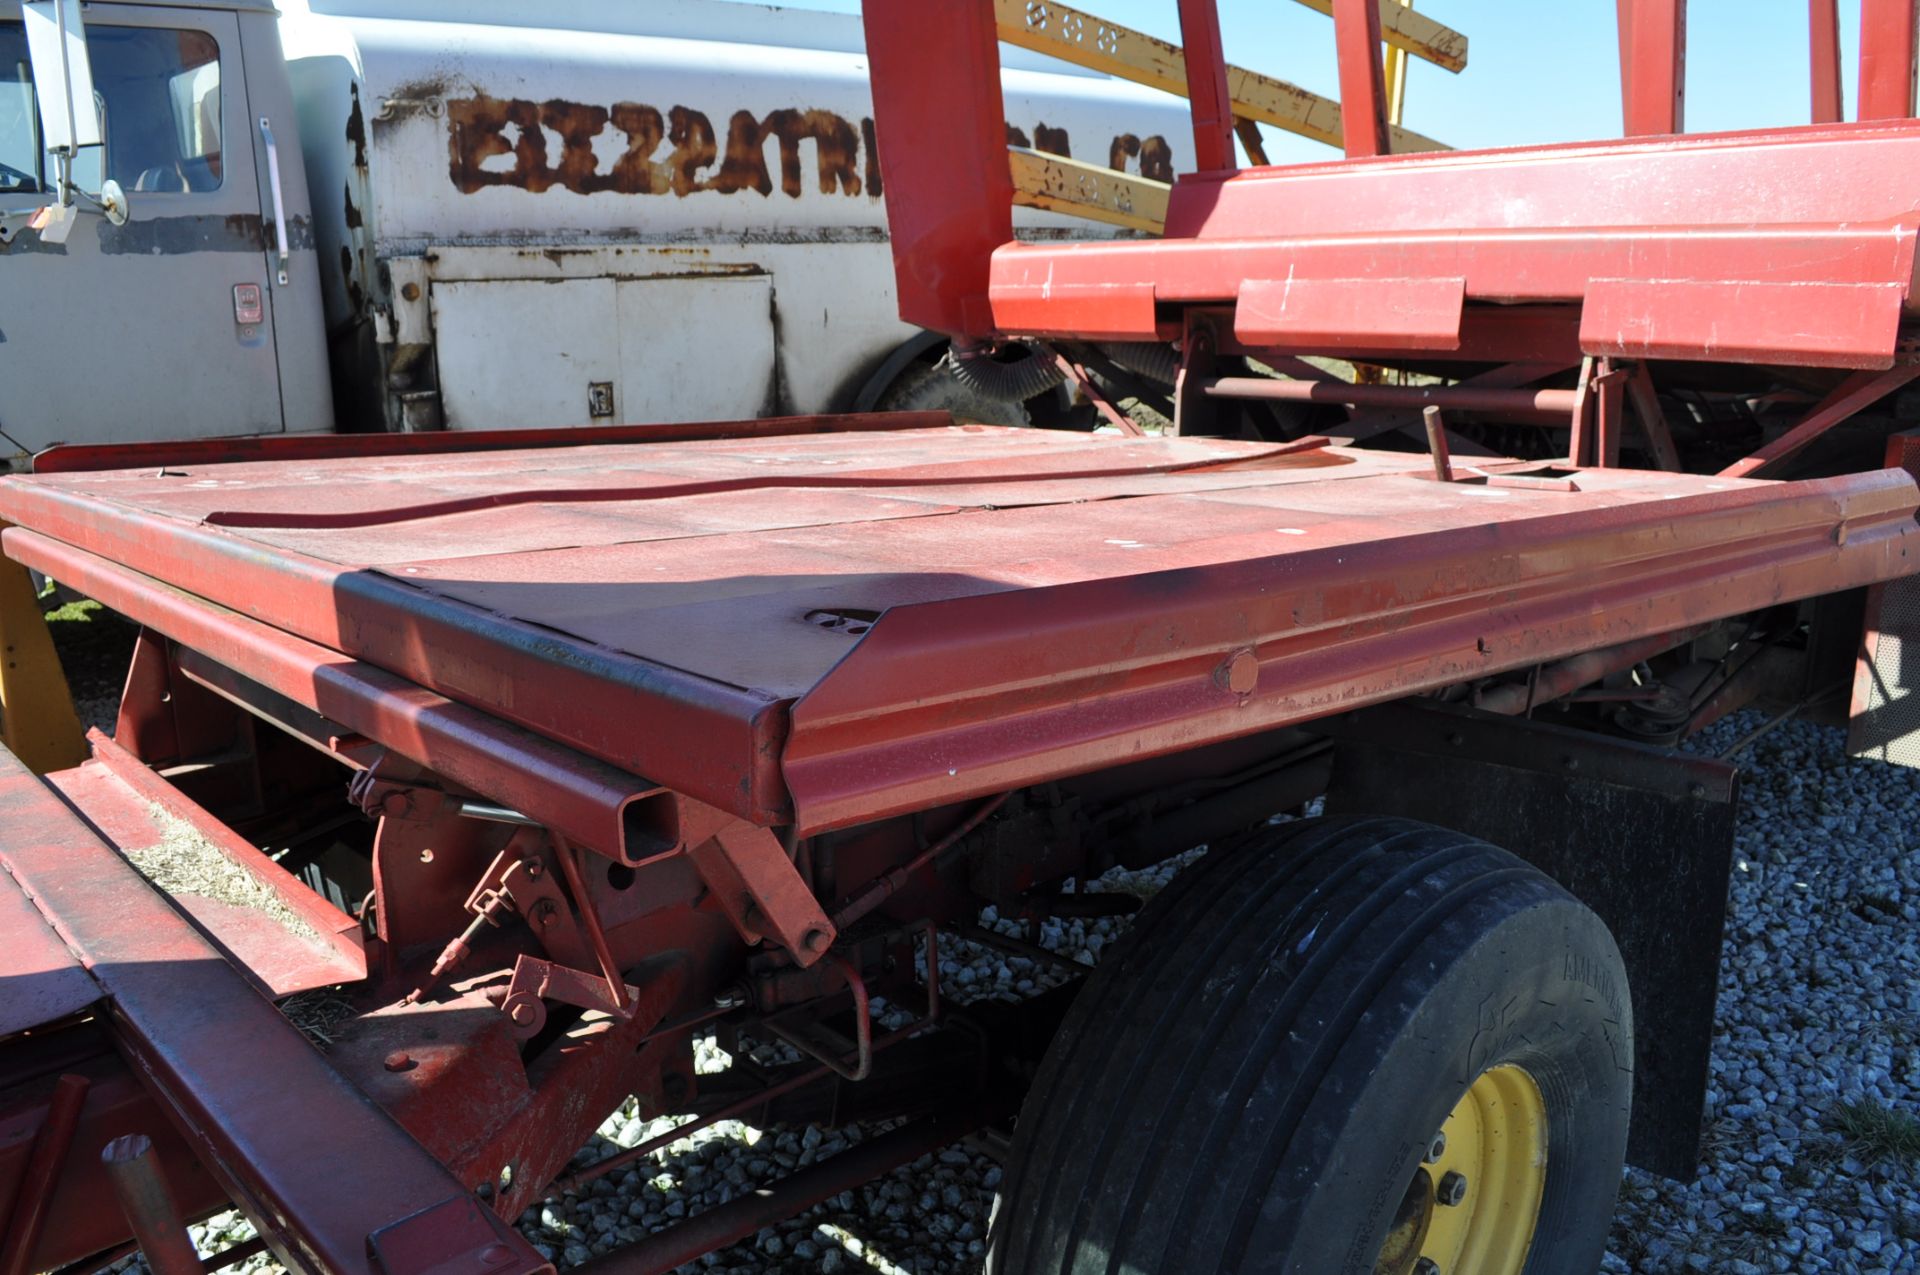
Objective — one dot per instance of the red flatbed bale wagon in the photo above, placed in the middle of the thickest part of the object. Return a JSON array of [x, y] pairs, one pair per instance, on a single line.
[[548, 753]]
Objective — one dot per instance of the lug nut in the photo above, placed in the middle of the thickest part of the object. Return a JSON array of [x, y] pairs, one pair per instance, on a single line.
[[1452, 1189], [1436, 1148], [1426, 1266]]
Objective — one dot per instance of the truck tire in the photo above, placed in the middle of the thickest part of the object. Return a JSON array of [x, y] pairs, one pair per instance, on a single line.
[[932, 387], [1346, 1047]]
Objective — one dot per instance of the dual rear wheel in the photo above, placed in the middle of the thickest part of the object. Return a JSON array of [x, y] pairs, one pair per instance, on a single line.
[[1343, 1047]]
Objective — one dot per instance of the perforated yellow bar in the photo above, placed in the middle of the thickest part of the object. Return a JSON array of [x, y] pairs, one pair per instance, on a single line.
[[1085, 40], [1048, 181]]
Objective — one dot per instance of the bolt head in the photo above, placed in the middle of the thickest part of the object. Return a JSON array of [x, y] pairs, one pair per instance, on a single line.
[[1452, 1189], [399, 1060], [522, 1013], [1436, 1148], [815, 940]]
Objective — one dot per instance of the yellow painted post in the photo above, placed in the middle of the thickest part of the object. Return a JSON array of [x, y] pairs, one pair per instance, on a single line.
[[1397, 78], [37, 721]]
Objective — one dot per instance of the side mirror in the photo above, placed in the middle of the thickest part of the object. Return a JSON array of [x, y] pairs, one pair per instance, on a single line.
[[62, 76]]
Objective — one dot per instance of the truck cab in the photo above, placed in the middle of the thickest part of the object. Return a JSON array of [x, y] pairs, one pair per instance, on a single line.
[[198, 315]]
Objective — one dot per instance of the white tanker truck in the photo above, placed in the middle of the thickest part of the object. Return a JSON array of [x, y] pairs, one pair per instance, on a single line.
[[430, 215]]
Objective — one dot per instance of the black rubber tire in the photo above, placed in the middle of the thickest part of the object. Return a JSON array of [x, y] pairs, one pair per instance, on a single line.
[[932, 387], [1248, 1083]]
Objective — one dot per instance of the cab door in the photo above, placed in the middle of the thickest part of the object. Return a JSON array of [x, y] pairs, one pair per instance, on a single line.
[[161, 327]]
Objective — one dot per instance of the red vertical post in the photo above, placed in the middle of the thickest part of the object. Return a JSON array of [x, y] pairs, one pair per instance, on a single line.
[[1211, 103], [1886, 59], [941, 132], [1653, 65], [1363, 84], [1823, 29]]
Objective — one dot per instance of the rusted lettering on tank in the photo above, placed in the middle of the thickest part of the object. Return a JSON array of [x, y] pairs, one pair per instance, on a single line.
[[477, 132], [536, 146], [693, 149], [1156, 159], [745, 166], [1052, 140], [576, 126], [836, 149], [867, 139], [1155, 156], [636, 172]]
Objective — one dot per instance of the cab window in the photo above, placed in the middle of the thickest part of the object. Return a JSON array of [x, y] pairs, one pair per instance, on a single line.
[[158, 93], [19, 126], [161, 90]]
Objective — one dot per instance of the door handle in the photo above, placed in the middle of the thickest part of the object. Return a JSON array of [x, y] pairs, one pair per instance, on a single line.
[[279, 203]]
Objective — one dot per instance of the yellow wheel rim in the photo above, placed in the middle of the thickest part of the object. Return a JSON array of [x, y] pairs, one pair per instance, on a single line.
[[1474, 1201]]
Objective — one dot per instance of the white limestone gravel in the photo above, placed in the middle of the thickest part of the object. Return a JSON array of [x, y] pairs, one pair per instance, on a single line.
[[1820, 1007]]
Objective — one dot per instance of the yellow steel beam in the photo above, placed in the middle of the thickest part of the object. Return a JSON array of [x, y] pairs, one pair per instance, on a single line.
[[37, 721], [1092, 191], [1080, 38], [1397, 78], [1416, 33]]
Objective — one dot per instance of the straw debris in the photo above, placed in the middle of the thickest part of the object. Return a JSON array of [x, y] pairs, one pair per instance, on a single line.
[[183, 861]]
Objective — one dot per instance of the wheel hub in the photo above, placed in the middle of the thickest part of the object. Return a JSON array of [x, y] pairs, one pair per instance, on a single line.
[[1473, 1205]]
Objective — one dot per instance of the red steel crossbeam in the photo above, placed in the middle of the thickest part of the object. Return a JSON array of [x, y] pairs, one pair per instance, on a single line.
[[576, 795], [1363, 87], [323, 1172], [1857, 392], [1209, 100], [1653, 65], [1660, 243], [1823, 32], [941, 132], [1886, 59], [1713, 248], [1055, 682]]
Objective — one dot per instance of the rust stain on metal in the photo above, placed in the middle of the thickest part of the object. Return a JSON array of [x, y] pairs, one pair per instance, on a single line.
[[494, 141], [356, 126], [356, 298], [874, 188]]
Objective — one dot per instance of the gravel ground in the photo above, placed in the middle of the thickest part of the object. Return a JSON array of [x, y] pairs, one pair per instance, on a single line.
[[1812, 1158]]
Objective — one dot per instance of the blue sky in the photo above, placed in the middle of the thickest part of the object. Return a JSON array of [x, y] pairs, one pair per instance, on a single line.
[[1538, 70]]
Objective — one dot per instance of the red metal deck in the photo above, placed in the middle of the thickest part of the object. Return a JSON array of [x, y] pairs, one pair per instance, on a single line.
[[829, 628]]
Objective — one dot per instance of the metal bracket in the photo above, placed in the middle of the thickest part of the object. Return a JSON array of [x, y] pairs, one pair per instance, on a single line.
[[757, 885], [458, 1236], [536, 980], [1642, 835]]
